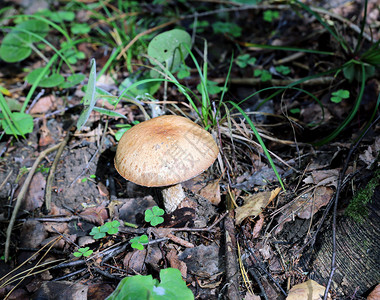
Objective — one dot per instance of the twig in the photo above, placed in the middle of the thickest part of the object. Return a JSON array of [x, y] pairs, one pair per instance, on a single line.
[[47, 206], [232, 272], [69, 275], [6, 179], [21, 195]]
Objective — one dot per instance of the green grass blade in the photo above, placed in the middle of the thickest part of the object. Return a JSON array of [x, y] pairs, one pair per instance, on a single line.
[[260, 141]]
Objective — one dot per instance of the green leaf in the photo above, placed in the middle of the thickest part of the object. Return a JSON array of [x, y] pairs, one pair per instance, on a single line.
[[336, 99], [89, 98], [227, 28], [145, 88], [284, 70], [171, 287], [72, 80], [341, 93], [295, 110], [144, 239], [157, 211], [265, 76], [110, 113], [133, 288], [61, 16], [168, 48], [47, 81], [16, 44], [148, 215], [77, 254], [24, 123], [257, 72], [80, 28]]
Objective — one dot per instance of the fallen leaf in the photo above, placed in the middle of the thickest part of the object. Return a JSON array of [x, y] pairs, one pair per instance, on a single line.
[[36, 193], [375, 294], [323, 177], [99, 291], [96, 215], [306, 205], [55, 227], [257, 228], [135, 260], [212, 192], [44, 105], [103, 191], [310, 290], [254, 205], [176, 263], [45, 135]]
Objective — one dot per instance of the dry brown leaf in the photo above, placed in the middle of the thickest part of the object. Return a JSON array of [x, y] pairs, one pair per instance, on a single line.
[[36, 193], [306, 205], [310, 290], [96, 215], [212, 192], [254, 205], [55, 227], [257, 228], [176, 263], [375, 294], [45, 135], [135, 260], [323, 177], [44, 105]]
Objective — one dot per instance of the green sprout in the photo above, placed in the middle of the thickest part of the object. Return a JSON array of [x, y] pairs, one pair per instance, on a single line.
[[153, 216], [138, 241], [244, 60], [263, 74], [98, 232], [93, 176], [270, 15], [86, 252], [339, 95]]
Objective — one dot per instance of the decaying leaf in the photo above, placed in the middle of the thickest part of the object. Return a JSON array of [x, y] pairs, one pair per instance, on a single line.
[[323, 177], [176, 263], [306, 205], [254, 205], [310, 290], [96, 215], [212, 192], [375, 294], [44, 105]]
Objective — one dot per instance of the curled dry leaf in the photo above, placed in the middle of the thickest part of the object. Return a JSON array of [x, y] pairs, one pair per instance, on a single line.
[[323, 177], [212, 192], [96, 215], [310, 290], [306, 205], [254, 205], [44, 105], [375, 294], [176, 263]]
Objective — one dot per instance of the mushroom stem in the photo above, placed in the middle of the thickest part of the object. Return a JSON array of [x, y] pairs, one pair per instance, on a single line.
[[173, 195]]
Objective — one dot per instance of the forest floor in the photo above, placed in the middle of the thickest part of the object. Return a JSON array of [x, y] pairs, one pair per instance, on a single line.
[[306, 81]]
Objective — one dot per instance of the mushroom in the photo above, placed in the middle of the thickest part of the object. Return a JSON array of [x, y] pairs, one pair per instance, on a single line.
[[163, 152]]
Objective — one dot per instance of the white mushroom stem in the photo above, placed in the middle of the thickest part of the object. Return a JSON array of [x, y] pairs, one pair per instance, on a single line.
[[173, 195]]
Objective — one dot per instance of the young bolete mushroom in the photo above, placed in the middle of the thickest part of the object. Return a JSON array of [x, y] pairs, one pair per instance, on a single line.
[[163, 152]]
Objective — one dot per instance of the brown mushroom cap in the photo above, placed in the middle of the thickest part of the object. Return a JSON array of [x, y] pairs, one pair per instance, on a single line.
[[164, 151]]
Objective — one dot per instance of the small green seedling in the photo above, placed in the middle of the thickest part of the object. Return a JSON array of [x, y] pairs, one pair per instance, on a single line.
[[171, 287], [92, 176], [270, 15], [98, 232], [339, 95], [101, 231], [212, 87], [227, 28], [86, 252], [201, 26], [111, 227], [244, 60], [153, 216], [295, 111], [284, 70], [138, 241], [263, 74]]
